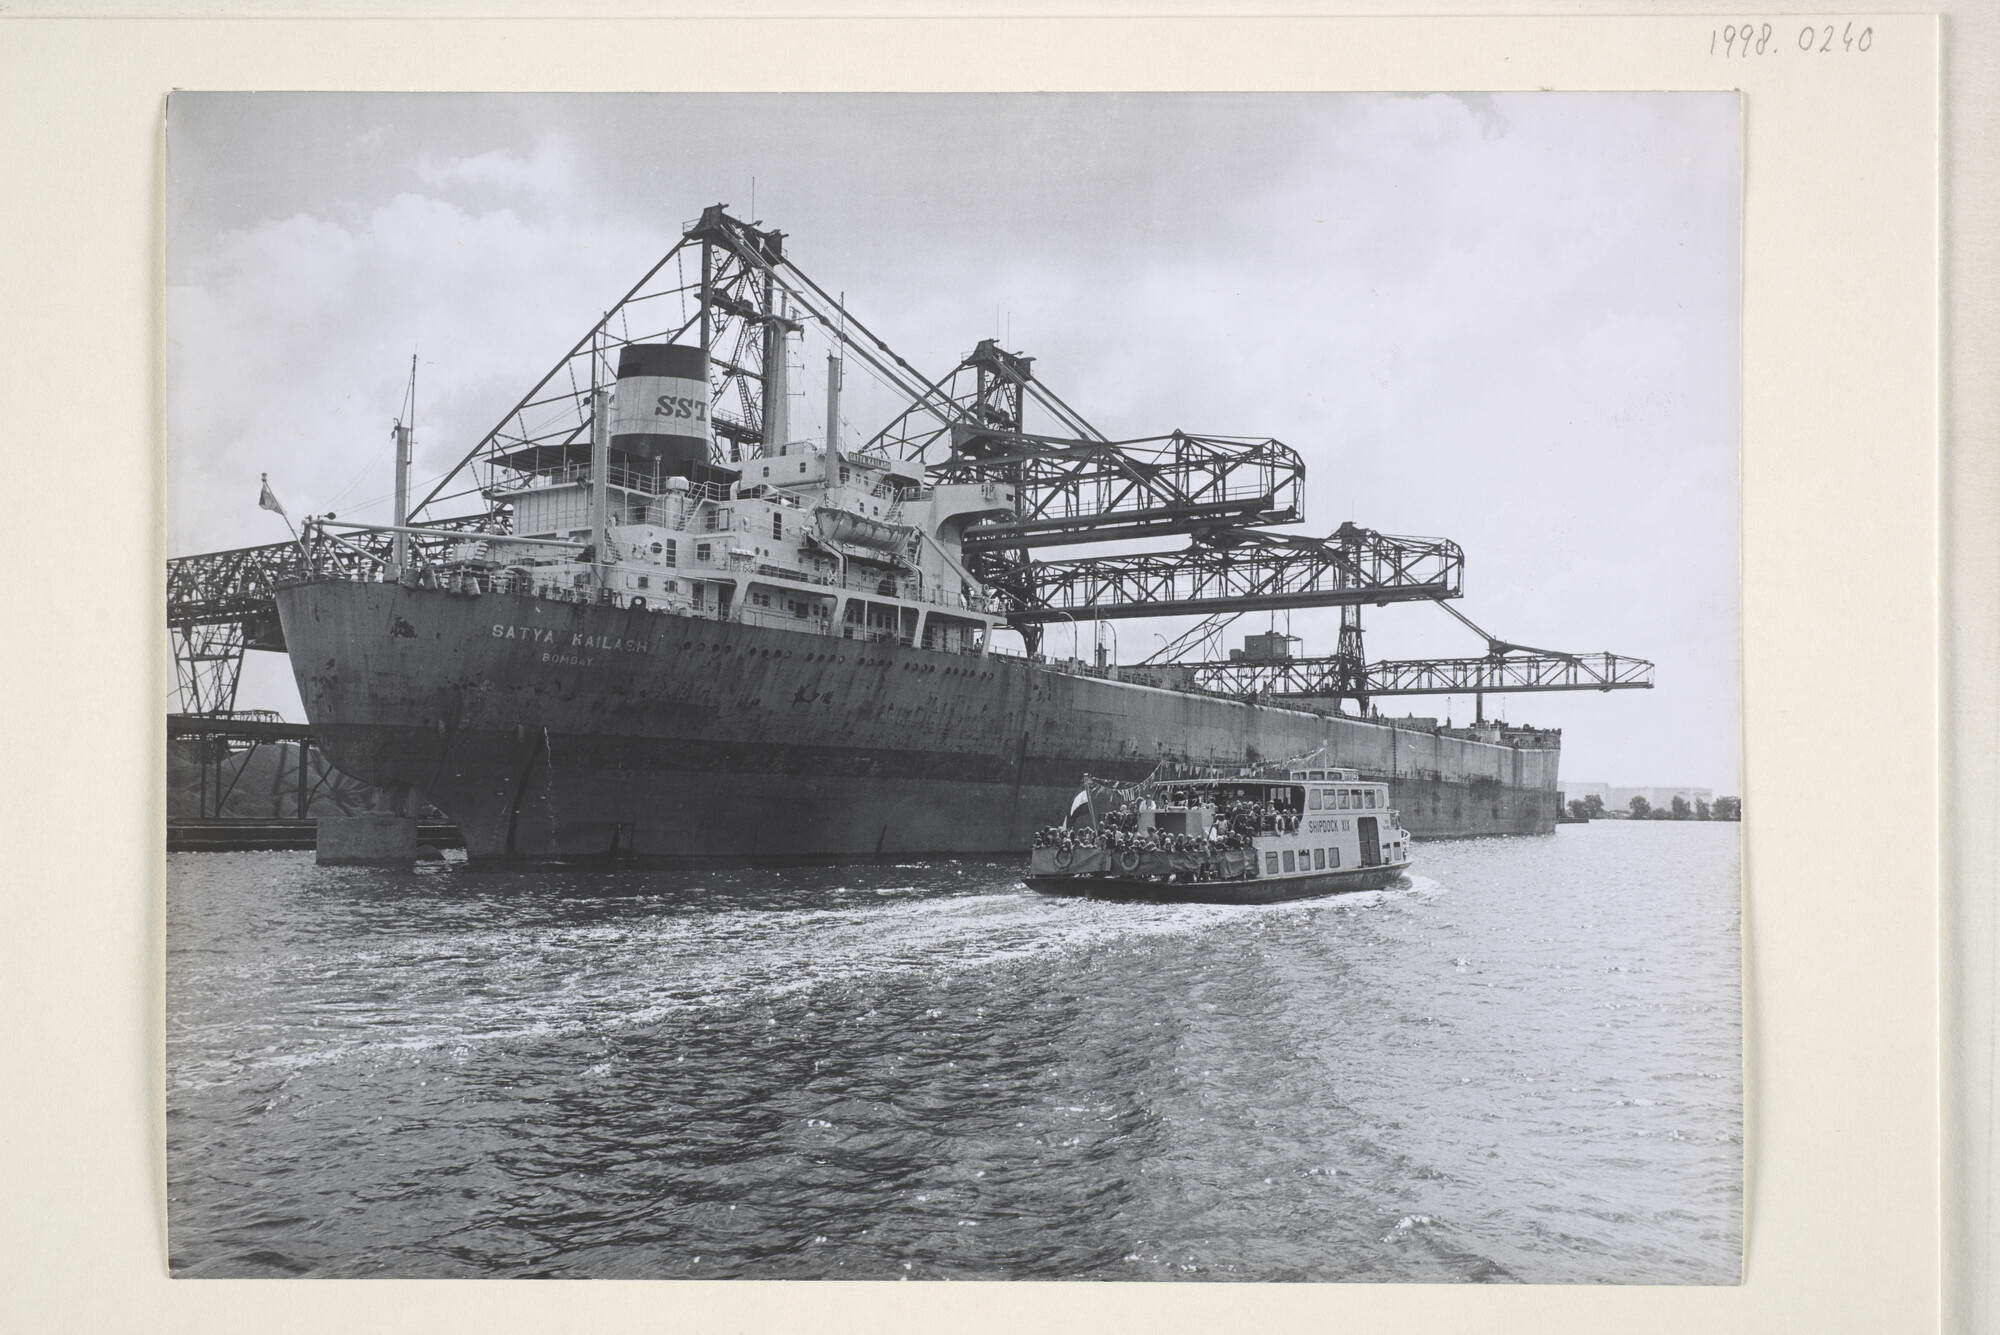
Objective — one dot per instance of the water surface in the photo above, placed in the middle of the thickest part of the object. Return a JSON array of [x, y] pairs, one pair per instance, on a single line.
[[1522, 1064]]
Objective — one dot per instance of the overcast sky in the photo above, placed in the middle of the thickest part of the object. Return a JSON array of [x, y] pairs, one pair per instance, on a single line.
[[1508, 320]]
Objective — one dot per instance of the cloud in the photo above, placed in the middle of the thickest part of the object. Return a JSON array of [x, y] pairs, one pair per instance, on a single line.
[[501, 169], [291, 353], [369, 143]]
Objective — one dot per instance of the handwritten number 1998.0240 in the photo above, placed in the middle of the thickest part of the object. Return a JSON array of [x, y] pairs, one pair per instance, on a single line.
[[1760, 39]]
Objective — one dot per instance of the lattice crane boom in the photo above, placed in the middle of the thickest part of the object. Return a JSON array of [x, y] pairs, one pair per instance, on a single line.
[[1079, 491], [1243, 570], [1331, 677]]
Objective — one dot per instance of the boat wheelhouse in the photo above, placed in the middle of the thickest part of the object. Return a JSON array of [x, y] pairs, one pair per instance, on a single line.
[[1242, 840]]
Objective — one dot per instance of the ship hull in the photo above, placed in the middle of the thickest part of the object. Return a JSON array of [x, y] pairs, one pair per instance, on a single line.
[[550, 730], [1260, 890]]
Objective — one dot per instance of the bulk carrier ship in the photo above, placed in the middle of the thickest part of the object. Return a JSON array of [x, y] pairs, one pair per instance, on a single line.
[[686, 634]]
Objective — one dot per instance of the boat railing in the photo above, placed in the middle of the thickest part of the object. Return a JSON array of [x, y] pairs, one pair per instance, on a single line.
[[484, 562], [737, 561], [573, 586], [771, 493], [648, 482], [816, 622]]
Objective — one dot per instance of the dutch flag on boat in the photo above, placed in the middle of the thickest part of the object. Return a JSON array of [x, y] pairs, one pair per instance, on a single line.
[[1082, 804]]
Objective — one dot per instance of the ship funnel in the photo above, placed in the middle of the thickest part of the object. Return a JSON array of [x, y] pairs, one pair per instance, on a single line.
[[661, 411]]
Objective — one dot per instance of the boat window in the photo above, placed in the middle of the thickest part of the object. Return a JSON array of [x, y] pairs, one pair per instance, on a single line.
[[1312, 800], [1290, 865], [642, 578], [1343, 799], [701, 550], [1333, 857], [1371, 797], [1270, 864], [1319, 858], [1316, 774]]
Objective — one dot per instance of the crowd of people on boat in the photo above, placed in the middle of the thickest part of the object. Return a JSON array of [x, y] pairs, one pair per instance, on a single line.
[[1118, 839], [1231, 826], [1257, 818]]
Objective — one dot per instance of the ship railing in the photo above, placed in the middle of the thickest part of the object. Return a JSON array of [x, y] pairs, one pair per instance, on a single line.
[[1072, 667], [772, 490], [765, 616], [337, 558], [473, 582], [798, 576], [562, 475], [909, 591], [738, 562]]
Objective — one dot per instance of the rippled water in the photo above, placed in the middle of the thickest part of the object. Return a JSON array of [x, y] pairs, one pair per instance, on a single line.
[[1521, 1065]]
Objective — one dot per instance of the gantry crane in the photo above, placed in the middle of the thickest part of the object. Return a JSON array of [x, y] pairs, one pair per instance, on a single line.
[[731, 288]]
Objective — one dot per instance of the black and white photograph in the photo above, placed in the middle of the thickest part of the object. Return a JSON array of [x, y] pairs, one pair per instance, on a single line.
[[1025, 686]]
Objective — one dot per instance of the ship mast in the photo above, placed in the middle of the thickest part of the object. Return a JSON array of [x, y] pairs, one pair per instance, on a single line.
[[777, 406], [401, 432], [830, 465], [600, 470]]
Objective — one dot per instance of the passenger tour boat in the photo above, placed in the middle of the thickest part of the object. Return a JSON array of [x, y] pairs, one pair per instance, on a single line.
[[1231, 841]]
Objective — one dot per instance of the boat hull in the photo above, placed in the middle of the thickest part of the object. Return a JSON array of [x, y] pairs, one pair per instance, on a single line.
[[549, 730], [1261, 890]]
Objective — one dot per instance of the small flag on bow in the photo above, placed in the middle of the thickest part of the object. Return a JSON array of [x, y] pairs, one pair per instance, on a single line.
[[266, 500]]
